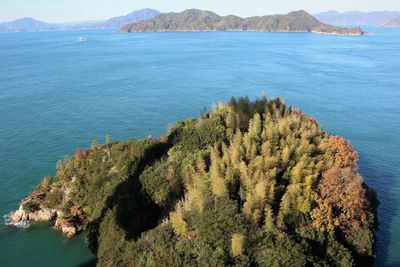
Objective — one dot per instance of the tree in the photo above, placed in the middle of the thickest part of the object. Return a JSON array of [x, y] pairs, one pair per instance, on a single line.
[[343, 153], [237, 244], [343, 200]]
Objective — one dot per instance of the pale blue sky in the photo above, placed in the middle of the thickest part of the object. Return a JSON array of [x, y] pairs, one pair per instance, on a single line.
[[75, 10]]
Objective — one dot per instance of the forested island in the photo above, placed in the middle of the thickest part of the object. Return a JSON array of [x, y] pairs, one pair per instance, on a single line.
[[199, 20], [248, 183]]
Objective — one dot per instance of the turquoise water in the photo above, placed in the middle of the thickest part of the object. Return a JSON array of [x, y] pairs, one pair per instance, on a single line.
[[56, 95]]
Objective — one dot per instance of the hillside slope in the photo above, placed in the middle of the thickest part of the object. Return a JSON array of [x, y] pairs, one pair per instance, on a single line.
[[136, 16], [199, 20], [26, 24], [251, 183]]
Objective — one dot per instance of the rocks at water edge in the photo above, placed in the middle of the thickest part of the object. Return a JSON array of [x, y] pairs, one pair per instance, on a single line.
[[23, 218], [42, 215], [66, 227]]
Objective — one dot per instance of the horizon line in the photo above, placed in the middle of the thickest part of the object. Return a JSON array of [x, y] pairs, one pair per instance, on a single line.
[[104, 19]]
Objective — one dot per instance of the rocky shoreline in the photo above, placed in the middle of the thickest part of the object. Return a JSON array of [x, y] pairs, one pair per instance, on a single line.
[[23, 218]]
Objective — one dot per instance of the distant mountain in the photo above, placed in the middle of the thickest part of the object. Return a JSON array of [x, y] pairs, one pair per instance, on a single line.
[[25, 25], [393, 22], [356, 17], [136, 16], [199, 20], [29, 24]]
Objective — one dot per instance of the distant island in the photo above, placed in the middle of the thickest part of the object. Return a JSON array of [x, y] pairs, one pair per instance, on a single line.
[[375, 18], [33, 25], [26, 24], [393, 22], [199, 20], [249, 183]]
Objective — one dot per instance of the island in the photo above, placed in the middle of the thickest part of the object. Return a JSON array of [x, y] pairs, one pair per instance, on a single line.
[[199, 20], [393, 22], [33, 25], [247, 183]]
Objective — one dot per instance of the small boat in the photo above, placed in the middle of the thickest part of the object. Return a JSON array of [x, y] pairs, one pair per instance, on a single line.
[[81, 39]]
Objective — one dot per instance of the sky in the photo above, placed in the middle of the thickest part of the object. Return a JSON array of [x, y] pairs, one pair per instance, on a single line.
[[78, 10]]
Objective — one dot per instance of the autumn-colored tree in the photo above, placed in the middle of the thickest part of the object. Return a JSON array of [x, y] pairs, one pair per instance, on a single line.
[[80, 154], [237, 244], [343, 200], [343, 152]]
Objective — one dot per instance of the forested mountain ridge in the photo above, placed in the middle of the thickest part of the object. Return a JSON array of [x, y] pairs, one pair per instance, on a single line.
[[199, 20], [250, 183]]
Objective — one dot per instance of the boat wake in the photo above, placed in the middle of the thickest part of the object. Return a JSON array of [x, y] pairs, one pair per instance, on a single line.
[[80, 40]]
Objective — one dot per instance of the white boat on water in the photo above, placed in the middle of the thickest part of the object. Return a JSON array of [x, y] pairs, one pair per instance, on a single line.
[[81, 39]]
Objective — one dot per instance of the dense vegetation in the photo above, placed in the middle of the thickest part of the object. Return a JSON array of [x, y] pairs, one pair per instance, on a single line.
[[247, 184], [199, 20]]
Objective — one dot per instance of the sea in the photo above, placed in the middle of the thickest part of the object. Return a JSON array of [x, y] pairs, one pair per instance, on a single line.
[[57, 94]]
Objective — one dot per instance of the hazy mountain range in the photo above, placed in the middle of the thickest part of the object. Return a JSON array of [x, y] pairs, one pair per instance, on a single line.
[[30, 24], [377, 18], [385, 18], [393, 22], [201, 20], [26, 24]]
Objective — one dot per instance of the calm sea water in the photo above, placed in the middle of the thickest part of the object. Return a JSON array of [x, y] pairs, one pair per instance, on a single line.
[[56, 95]]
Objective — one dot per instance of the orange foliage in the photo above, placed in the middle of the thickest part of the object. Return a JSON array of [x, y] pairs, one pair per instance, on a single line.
[[343, 152], [80, 154], [343, 201]]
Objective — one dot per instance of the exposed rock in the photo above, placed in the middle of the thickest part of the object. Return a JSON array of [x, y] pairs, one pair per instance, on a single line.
[[66, 227], [23, 218], [19, 215], [70, 227], [42, 215]]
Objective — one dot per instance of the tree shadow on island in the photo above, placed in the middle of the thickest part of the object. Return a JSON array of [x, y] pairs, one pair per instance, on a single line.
[[135, 211]]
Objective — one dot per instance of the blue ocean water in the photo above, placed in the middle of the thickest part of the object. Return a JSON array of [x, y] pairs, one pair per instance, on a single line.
[[56, 95]]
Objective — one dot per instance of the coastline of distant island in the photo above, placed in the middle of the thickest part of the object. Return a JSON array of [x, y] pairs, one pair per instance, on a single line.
[[195, 20], [191, 20]]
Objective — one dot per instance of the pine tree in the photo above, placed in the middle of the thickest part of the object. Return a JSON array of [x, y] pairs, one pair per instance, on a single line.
[[237, 244], [269, 224]]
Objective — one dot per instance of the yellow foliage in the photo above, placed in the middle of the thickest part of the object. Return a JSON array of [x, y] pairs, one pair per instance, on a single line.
[[269, 219], [285, 154], [201, 166], [218, 186], [261, 190], [255, 127], [248, 206], [237, 244], [297, 172], [177, 222]]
